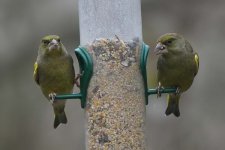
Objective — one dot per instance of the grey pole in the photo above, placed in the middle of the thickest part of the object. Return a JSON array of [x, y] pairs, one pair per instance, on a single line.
[[111, 31]]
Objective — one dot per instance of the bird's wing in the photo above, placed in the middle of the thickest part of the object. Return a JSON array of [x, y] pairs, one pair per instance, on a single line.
[[71, 66], [71, 63], [36, 74], [196, 62]]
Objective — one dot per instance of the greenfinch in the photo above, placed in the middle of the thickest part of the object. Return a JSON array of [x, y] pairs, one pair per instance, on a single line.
[[54, 73], [177, 67]]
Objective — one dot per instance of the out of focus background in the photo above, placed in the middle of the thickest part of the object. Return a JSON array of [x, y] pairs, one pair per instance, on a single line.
[[26, 118]]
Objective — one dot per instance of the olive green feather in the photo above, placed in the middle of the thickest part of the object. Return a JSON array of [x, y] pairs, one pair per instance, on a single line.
[[173, 105]]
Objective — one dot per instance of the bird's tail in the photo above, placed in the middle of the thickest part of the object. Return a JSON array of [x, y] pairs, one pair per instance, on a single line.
[[173, 105], [60, 115]]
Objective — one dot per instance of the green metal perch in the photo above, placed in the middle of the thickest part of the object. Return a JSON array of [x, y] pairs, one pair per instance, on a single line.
[[86, 69]]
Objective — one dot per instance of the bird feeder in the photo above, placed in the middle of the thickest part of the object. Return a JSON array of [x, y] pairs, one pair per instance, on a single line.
[[86, 70]]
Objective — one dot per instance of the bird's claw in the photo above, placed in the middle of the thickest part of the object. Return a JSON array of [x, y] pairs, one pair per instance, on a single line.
[[159, 87], [52, 97], [177, 91], [77, 78]]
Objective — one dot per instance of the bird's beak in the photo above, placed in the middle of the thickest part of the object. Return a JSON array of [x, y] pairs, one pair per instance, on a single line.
[[53, 45], [160, 48]]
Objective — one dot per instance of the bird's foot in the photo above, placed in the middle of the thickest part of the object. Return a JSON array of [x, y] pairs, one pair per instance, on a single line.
[[159, 87], [177, 91], [52, 97], [76, 79]]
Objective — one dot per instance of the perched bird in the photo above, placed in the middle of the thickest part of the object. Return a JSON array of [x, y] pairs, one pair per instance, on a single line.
[[54, 73], [177, 66]]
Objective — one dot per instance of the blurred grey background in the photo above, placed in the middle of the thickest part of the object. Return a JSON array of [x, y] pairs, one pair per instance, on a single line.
[[26, 117]]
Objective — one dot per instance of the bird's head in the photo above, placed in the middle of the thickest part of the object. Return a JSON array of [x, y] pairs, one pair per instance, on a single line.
[[50, 45], [169, 43]]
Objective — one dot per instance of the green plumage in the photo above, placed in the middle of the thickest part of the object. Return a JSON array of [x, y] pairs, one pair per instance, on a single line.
[[54, 72], [173, 105], [177, 66]]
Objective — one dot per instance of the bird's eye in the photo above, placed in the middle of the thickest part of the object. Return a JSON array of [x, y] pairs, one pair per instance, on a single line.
[[58, 40], [169, 42], [45, 42]]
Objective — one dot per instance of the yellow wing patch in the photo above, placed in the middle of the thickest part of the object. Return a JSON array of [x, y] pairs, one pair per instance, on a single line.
[[36, 74], [197, 60], [35, 68]]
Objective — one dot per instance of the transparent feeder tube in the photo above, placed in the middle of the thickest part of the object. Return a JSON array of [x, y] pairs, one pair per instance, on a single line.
[[111, 32]]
